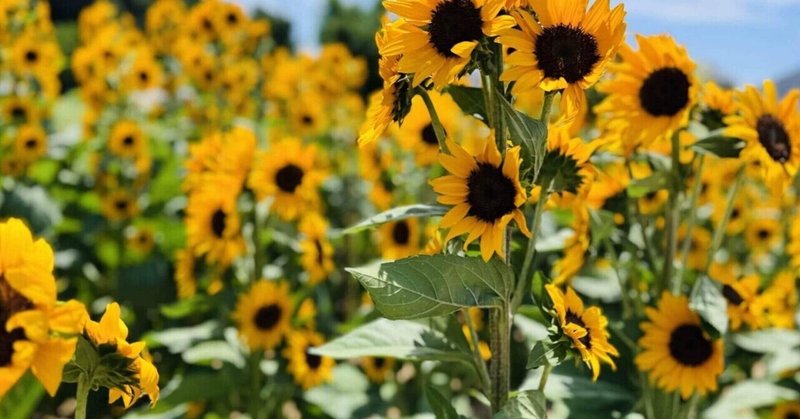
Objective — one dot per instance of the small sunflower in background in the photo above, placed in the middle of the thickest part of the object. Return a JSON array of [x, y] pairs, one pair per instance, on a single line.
[[30, 143], [652, 91], [699, 245], [417, 134], [399, 239], [307, 115], [127, 140], [309, 370], [562, 47], [585, 327], [787, 410], [316, 250], [485, 194], [770, 128], [263, 314], [185, 278], [377, 368], [437, 37], [718, 103], [676, 352], [141, 239], [120, 205], [289, 172], [763, 235], [19, 110], [743, 303], [213, 226], [779, 300]]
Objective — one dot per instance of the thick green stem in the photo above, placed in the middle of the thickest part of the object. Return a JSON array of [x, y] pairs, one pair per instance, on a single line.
[[673, 211], [719, 233], [438, 128], [545, 376], [500, 345], [547, 106], [82, 396]]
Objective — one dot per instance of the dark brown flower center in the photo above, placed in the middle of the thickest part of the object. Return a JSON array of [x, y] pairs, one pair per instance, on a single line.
[[31, 56], [11, 303], [453, 22], [378, 362], [313, 361], [491, 193], [689, 346], [31, 143], [429, 135], [267, 317], [566, 51], [218, 222], [401, 233], [144, 76], [18, 112], [320, 252], [773, 136], [289, 177], [665, 92], [731, 295], [576, 319], [792, 415], [121, 204], [128, 141], [763, 234]]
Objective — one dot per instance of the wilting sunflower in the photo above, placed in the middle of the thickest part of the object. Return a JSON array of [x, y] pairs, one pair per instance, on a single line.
[[289, 172], [585, 327], [677, 353], [436, 37], [213, 227], [35, 329], [399, 239], [309, 370], [377, 368], [31, 143], [652, 92], [771, 131], [485, 193], [112, 330], [315, 248], [263, 314], [562, 47], [127, 140], [787, 410]]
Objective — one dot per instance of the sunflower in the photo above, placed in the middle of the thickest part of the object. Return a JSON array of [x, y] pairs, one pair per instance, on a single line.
[[575, 247], [18, 109], [771, 131], [185, 279], [127, 140], [34, 327], [315, 248], [289, 172], [213, 228], [652, 92], [585, 327], [228, 152], [763, 234], [308, 370], [562, 47], [399, 239], [145, 73], [141, 239], [793, 245], [436, 37], [307, 115], [787, 410], [566, 164], [377, 368], [120, 205], [112, 330], [676, 351], [485, 193], [31, 143], [780, 300], [718, 104], [263, 314], [417, 133]]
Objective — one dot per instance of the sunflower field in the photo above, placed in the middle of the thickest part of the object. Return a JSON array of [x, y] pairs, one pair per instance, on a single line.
[[536, 215]]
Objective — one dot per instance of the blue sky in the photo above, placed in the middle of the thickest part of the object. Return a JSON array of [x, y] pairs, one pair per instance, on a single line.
[[744, 41]]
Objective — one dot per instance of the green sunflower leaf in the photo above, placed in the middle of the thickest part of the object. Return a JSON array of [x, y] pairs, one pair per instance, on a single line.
[[428, 286], [525, 405], [530, 133], [707, 301], [470, 100], [440, 405], [396, 214], [545, 352], [720, 146], [641, 187]]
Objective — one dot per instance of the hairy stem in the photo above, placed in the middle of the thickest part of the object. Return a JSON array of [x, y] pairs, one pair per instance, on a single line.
[[500, 345]]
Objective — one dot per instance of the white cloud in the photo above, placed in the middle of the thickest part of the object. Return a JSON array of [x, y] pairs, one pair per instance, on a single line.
[[709, 11]]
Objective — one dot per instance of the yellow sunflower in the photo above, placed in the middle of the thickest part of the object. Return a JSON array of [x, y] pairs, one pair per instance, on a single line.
[[377, 368], [18, 109], [436, 37], [575, 248], [112, 330], [718, 104], [229, 152], [127, 140], [793, 246], [35, 329], [780, 300], [763, 235], [652, 91], [562, 47], [416, 132], [141, 239], [120, 205], [699, 245], [316, 250], [185, 280], [290, 173], [787, 410], [31, 143], [771, 130], [263, 314], [213, 227], [399, 239], [585, 327], [485, 193], [676, 352], [308, 370]]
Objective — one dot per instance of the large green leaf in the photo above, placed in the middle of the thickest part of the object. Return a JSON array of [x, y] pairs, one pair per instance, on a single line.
[[525, 405], [427, 286], [440, 405], [346, 393], [21, 400], [707, 301], [402, 339], [719, 146], [179, 339], [530, 133], [768, 340], [641, 187], [396, 214], [470, 100], [750, 394]]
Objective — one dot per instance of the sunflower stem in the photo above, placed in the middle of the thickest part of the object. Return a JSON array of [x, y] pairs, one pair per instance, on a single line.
[[438, 128], [525, 273], [545, 375], [82, 395], [500, 345], [547, 106], [673, 211], [687, 241], [719, 233], [480, 366]]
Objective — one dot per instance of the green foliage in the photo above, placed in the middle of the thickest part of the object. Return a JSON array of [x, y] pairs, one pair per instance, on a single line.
[[470, 100], [440, 405], [708, 302], [21, 400], [397, 214], [525, 405], [530, 133], [641, 187], [720, 146]]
